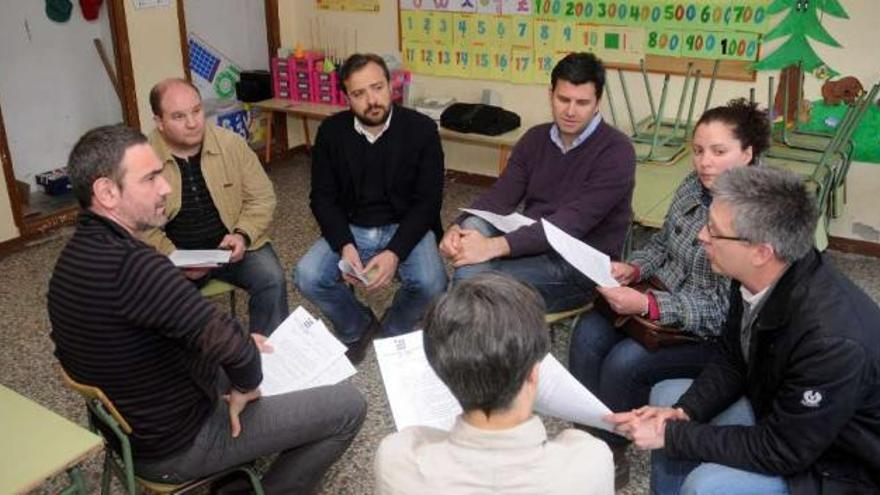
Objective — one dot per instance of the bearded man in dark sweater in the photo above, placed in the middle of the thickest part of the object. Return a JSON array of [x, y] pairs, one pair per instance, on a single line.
[[377, 186], [126, 320], [577, 172]]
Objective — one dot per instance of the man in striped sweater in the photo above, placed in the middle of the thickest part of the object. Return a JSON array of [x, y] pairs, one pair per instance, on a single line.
[[125, 320]]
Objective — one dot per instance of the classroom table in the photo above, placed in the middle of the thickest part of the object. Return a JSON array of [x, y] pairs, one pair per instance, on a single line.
[[655, 185], [319, 111], [38, 444]]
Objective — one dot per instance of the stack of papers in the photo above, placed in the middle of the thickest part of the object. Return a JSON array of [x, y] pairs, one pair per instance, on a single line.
[[199, 258], [305, 355], [348, 269], [418, 397]]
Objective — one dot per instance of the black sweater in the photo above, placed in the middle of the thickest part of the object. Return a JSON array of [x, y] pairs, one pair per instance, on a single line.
[[413, 178], [125, 320]]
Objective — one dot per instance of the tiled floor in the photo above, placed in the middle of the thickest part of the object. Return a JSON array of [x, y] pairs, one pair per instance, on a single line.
[[28, 366]]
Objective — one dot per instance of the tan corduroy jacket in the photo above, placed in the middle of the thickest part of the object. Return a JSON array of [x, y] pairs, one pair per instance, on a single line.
[[239, 186]]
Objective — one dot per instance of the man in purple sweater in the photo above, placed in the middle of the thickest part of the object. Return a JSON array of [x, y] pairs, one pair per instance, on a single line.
[[577, 172]]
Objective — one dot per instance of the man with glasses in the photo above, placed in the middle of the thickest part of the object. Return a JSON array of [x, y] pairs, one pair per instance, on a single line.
[[792, 403]]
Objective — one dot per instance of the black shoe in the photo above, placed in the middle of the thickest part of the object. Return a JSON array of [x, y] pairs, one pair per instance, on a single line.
[[357, 350]]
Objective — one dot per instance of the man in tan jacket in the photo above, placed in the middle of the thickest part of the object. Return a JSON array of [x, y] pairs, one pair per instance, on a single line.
[[220, 198]]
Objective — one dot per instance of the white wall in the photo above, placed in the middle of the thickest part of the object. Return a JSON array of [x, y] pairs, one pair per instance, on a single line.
[[858, 57], [237, 28], [53, 86]]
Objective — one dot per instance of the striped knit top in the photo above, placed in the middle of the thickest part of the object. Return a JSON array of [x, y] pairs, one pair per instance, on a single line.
[[126, 320]]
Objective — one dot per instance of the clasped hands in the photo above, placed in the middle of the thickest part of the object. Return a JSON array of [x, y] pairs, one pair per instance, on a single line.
[[469, 247], [646, 426]]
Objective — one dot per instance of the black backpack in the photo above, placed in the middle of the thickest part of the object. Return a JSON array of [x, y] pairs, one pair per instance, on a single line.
[[478, 118]]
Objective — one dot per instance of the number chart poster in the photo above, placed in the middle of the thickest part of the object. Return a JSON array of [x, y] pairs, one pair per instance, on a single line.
[[520, 41]]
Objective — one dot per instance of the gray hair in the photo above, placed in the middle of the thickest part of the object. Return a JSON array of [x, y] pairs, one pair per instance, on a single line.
[[483, 337], [770, 206], [97, 154]]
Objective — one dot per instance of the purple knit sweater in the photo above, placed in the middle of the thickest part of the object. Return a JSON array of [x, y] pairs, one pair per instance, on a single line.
[[587, 192]]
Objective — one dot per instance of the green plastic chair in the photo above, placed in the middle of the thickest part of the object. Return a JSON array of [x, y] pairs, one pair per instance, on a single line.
[[566, 320], [215, 288], [121, 463]]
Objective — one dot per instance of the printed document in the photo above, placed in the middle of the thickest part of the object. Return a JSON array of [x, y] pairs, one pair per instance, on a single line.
[[418, 397], [199, 258], [587, 259], [504, 223], [416, 394], [305, 354]]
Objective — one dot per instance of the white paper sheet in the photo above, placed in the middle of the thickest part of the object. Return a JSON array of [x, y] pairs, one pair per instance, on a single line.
[[560, 395], [504, 223], [416, 394], [304, 350], [587, 259], [339, 370], [347, 268], [199, 258], [418, 397]]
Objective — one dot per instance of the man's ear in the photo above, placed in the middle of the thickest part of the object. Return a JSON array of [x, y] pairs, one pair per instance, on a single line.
[[763, 255], [106, 192], [532, 377]]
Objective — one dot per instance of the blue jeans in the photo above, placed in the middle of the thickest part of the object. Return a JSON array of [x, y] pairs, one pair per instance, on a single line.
[[260, 274], [422, 277], [562, 286], [669, 476], [620, 371]]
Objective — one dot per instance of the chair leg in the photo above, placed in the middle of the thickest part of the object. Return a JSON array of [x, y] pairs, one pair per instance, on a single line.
[[106, 474], [255, 481]]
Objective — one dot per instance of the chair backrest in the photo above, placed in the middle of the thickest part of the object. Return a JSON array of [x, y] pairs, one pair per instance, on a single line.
[[89, 392]]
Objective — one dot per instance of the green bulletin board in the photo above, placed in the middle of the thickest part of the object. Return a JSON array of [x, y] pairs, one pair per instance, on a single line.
[[520, 41]]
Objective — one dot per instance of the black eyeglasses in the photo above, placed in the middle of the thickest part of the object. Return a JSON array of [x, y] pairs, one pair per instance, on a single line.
[[723, 237]]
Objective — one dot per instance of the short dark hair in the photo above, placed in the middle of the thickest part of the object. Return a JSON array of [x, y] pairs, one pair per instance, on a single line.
[[97, 154], [751, 126], [580, 68], [158, 91], [483, 337], [770, 206], [357, 62]]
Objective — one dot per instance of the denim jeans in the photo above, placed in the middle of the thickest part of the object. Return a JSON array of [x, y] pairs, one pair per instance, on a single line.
[[620, 371], [670, 476], [260, 274], [311, 429], [422, 277], [562, 286]]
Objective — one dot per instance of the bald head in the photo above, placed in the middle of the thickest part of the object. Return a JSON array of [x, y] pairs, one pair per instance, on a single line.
[[162, 87]]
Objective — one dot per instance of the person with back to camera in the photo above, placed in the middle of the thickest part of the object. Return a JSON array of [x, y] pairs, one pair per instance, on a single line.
[[485, 339]]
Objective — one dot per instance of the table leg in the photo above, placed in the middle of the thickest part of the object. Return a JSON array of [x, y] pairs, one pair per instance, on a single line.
[[503, 154], [308, 140], [77, 483], [269, 121]]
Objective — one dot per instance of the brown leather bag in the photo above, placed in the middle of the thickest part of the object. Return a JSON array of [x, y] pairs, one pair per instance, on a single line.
[[644, 331]]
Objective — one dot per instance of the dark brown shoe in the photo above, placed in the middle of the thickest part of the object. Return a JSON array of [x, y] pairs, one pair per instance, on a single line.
[[357, 350]]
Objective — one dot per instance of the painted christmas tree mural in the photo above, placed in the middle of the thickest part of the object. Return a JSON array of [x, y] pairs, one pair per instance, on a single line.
[[795, 56]]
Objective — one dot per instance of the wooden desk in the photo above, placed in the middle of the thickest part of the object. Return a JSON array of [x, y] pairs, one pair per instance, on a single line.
[[319, 111], [37, 444]]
